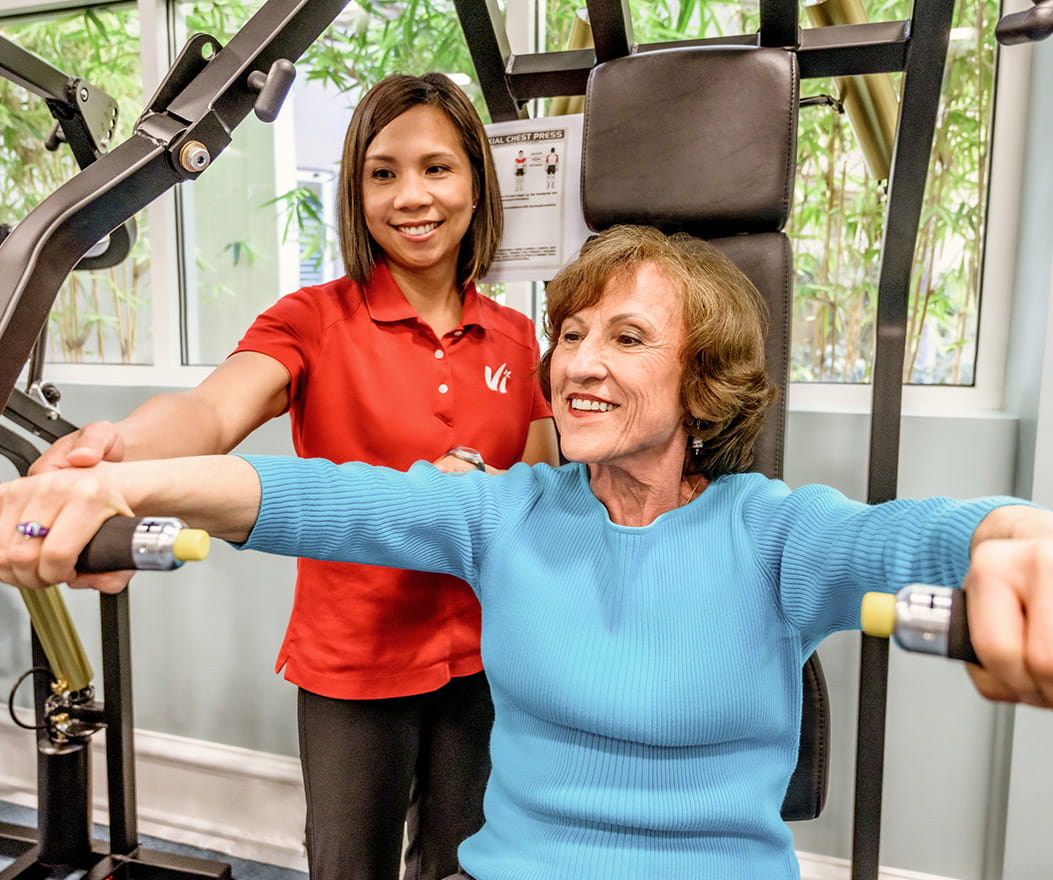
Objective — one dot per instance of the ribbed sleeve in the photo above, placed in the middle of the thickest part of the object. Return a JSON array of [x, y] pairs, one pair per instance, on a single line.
[[830, 551], [423, 519]]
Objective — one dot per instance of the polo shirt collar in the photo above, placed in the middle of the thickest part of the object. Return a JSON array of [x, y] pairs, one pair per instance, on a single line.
[[386, 301], [471, 311]]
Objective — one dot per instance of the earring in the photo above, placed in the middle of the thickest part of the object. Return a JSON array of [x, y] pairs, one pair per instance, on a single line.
[[697, 444]]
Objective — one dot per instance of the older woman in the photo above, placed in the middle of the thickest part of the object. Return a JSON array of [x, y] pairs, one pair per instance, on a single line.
[[626, 596]]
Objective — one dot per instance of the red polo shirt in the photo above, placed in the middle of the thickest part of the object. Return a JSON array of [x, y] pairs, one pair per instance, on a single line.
[[370, 381]]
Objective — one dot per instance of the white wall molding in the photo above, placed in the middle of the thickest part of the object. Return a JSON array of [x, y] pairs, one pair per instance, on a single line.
[[236, 801], [231, 800], [817, 867]]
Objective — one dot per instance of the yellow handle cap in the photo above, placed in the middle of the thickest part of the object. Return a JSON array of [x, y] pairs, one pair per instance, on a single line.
[[191, 545], [877, 614]]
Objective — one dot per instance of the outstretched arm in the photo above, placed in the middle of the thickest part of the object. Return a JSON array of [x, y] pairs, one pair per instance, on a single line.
[[237, 397], [219, 493]]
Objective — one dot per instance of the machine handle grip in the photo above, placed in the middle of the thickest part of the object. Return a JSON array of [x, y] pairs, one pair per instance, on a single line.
[[932, 620], [1029, 26], [959, 643], [273, 87], [148, 543]]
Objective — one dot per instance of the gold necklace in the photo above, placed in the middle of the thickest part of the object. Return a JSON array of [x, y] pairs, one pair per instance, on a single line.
[[698, 483]]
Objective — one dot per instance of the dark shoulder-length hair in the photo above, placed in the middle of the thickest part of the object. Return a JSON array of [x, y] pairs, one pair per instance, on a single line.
[[724, 388], [387, 100]]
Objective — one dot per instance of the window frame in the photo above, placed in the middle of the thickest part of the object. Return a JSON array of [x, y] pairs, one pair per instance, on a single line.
[[987, 392]]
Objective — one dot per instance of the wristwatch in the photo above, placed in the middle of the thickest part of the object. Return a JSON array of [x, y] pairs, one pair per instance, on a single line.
[[472, 456]]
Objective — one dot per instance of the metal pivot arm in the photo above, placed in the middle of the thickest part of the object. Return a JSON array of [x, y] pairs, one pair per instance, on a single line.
[[39, 419], [86, 115], [186, 126], [86, 120], [42, 250]]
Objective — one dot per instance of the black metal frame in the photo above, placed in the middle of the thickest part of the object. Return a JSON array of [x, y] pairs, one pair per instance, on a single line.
[[917, 48], [86, 115], [509, 81], [209, 91], [63, 833]]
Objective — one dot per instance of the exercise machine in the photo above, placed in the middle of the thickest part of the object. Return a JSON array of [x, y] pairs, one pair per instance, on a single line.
[[187, 123], [844, 46]]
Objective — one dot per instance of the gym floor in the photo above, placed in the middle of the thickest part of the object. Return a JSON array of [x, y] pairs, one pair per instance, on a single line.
[[241, 869]]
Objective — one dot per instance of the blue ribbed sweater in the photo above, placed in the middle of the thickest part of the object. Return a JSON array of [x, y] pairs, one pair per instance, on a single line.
[[646, 681]]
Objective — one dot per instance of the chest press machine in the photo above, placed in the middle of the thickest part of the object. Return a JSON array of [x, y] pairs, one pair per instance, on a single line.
[[187, 123], [697, 136]]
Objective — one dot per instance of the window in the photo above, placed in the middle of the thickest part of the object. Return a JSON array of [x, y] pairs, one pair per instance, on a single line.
[[99, 316], [837, 224], [837, 218], [258, 223], [315, 210]]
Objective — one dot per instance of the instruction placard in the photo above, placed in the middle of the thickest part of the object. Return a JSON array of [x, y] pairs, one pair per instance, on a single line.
[[539, 170]]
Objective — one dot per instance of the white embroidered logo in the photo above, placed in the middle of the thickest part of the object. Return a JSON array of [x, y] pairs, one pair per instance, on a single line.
[[497, 380]]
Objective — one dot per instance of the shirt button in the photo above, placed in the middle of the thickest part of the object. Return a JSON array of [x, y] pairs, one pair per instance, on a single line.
[[439, 353], [458, 333], [443, 388]]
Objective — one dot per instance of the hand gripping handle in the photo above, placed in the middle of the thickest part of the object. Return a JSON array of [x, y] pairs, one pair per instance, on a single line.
[[121, 543]]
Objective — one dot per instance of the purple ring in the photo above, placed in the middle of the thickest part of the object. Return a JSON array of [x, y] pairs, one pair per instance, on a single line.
[[32, 529]]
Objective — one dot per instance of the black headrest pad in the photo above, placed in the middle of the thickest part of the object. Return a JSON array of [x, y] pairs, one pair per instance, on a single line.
[[699, 139]]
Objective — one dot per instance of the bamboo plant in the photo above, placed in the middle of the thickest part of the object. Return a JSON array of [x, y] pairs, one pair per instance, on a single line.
[[836, 220]]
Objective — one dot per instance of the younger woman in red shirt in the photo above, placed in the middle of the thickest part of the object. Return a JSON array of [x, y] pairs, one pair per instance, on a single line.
[[400, 360]]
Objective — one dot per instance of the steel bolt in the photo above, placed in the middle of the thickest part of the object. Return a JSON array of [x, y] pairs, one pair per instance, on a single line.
[[194, 156]]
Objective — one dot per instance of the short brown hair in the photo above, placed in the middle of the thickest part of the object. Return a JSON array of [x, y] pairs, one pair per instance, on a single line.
[[387, 100], [724, 386]]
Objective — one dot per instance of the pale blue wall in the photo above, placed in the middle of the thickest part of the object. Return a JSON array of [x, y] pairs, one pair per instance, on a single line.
[[1029, 804], [940, 734]]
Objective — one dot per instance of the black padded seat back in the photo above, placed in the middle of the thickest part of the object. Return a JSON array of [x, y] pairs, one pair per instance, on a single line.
[[766, 259], [703, 140], [700, 140], [806, 792]]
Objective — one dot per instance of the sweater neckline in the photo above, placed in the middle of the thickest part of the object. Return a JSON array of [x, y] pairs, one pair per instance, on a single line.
[[695, 504]]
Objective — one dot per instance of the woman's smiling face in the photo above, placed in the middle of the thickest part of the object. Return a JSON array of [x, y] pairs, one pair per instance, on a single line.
[[418, 190], [615, 375]]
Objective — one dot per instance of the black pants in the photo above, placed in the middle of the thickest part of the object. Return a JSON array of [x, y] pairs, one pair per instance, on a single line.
[[371, 765]]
